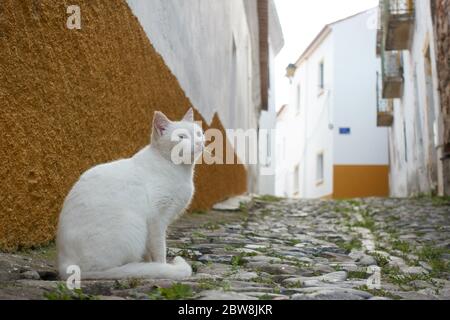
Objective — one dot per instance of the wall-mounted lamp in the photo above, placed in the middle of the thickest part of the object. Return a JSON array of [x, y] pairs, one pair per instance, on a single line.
[[290, 71]]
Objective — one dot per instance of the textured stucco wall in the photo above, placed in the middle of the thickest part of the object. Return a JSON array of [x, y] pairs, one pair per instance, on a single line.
[[71, 99], [195, 38], [413, 153], [442, 29]]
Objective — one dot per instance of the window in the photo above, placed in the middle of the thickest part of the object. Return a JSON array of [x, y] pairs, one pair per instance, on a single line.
[[233, 82], [319, 168], [297, 180], [299, 98], [321, 76], [432, 132], [405, 141], [269, 149]]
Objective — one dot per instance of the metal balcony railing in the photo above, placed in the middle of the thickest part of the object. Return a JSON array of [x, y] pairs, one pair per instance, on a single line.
[[380, 29], [392, 62], [397, 20], [392, 74], [379, 42], [385, 107], [399, 7]]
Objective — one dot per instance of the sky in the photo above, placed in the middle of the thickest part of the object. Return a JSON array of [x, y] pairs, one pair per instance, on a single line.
[[301, 21]]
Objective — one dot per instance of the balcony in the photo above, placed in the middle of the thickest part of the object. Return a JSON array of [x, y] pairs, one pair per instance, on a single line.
[[385, 108], [398, 22], [385, 113], [379, 41], [392, 74], [380, 31]]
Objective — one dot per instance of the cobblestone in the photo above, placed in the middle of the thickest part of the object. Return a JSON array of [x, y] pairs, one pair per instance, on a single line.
[[279, 249]]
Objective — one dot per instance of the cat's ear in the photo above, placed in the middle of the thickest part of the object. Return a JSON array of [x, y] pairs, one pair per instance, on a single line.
[[189, 116], [160, 122]]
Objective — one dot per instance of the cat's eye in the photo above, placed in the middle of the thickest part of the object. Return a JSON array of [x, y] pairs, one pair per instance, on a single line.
[[182, 136]]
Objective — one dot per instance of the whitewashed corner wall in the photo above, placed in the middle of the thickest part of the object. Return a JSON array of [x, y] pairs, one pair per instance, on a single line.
[[212, 48]]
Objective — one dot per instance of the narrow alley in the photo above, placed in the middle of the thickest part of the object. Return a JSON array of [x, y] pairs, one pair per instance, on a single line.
[[279, 249]]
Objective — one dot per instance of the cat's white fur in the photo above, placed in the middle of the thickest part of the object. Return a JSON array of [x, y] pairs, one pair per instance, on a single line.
[[114, 220]]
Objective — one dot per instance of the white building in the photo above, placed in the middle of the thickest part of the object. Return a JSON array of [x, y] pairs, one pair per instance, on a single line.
[[409, 81], [268, 119], [328, 141]]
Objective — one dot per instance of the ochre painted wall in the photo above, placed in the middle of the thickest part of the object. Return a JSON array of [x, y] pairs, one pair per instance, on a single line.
[[360, 181], [71, 99]]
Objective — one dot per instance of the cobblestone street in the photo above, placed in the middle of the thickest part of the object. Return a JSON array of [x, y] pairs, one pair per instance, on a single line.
[[279, 249]]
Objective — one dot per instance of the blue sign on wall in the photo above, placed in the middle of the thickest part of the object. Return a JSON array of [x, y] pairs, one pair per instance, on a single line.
[[345, 131]]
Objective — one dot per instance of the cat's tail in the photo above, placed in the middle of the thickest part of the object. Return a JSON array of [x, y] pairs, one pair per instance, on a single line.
[[178, 270]]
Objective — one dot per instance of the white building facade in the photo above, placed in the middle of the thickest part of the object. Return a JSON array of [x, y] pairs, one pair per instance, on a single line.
[[328, 140], [410, 86], [268, 118]]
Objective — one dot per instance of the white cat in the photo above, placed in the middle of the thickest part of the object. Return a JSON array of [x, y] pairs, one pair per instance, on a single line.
[[114, 220]]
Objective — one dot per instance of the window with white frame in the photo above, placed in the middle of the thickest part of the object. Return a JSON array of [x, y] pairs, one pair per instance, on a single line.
[[321, 76], [297, 180], [299, 98], [319, 168], [269, 149]]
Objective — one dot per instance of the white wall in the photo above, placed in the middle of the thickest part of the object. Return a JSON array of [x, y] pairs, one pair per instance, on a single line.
[[348, 101], [412, 155], [196, 40], [354, 91], [267, 122], [308, 132], [287, 151]]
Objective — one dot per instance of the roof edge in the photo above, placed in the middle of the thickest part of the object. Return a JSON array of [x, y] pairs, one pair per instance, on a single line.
[[321, 36]]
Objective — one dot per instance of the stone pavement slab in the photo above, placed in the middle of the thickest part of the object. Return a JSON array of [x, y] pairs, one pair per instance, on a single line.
[[279, 249]]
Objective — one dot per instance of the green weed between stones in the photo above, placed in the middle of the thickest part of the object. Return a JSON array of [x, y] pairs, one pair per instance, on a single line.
[[211, 226], [381, 260], [177, 291], [440, 201], [433, 256], [358, 275], [405, 280], [354, 243], [210, 284], [379, 292], [239, 259], [127, 284], [268, 198], [402, 246], [63, 293], [367, 221], [197, 234]]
